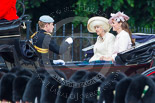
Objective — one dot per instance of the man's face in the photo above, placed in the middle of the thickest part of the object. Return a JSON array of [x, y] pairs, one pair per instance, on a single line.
[[50, 27]]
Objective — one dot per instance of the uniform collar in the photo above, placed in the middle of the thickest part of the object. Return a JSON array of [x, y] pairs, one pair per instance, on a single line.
[[43, 31]]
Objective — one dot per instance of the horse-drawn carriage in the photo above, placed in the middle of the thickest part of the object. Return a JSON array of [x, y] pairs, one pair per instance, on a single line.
[[16, 52]]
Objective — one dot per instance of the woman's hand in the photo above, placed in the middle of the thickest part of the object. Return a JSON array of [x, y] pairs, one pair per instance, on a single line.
[[102, 58], [106, 58]]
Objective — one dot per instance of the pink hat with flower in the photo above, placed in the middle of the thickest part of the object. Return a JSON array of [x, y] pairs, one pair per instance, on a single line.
[[119, 16]]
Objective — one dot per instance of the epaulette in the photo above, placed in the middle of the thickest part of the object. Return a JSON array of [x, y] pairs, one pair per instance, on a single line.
[[33, 34]]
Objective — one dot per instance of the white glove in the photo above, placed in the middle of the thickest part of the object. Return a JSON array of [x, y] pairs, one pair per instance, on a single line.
[[58, 62], [69, 40]]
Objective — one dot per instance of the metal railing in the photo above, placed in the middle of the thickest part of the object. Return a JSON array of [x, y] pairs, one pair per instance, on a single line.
[[81, 40], [143, 30]]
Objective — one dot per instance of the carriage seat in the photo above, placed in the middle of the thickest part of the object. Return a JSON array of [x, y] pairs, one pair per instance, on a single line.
[[142, 37], [88, 52]]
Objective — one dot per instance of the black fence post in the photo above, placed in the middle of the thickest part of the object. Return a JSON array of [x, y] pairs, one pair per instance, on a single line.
[[72, 44], [138, 29], [142, 30], [81, 39], [28, 24], [63, 37], [55, 30], [37, 27], [54, 55]]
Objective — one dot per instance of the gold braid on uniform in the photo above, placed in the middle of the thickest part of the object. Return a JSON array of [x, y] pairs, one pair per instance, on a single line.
[[40, 50]]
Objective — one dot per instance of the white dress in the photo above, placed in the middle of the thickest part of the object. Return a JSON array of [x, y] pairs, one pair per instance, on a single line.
[[122, 43], [103, 46]]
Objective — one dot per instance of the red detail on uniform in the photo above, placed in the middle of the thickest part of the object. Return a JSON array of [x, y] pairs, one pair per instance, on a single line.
[[8, 9]]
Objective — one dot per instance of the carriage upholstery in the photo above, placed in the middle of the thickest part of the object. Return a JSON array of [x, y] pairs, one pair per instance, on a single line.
[[142, 37]]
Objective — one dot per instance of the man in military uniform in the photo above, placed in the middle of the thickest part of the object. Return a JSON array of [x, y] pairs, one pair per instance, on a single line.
[[43, 41]]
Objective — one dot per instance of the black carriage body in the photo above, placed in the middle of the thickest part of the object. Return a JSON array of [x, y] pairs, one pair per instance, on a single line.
[[10, 36], [102, 67], [9, 29]]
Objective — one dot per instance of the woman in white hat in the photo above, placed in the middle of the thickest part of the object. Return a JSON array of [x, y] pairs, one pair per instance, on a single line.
[[105, 40], [123, 39]]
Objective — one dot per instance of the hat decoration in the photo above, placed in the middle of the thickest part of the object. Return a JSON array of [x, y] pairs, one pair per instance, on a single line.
[[119, 16]]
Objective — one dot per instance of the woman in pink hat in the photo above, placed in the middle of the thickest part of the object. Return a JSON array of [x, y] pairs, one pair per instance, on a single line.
[[123, 39]]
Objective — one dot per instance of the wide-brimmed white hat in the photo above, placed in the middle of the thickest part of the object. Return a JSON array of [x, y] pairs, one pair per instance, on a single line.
[[98, 21]]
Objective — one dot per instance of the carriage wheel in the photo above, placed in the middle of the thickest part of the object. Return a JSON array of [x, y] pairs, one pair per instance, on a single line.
[[149, 72]]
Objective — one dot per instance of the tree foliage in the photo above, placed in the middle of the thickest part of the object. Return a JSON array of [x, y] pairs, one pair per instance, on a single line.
[[141, 12], [56, 9], [29, 6]]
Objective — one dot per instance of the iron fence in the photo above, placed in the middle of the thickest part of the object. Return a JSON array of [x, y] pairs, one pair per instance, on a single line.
[[81, 40]]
